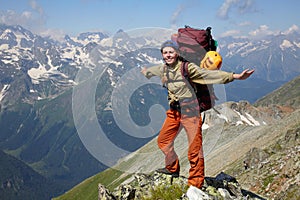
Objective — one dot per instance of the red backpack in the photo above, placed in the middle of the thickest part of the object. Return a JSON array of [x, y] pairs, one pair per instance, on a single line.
[[193, 45]]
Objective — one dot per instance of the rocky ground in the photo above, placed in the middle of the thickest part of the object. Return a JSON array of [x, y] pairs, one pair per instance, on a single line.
[[146, 186], [273, 171]]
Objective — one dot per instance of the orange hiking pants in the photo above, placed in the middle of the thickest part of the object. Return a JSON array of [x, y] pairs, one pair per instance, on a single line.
[[171, 127]]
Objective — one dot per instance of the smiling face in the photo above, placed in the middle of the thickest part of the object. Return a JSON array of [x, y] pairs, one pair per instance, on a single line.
[[169, 55]]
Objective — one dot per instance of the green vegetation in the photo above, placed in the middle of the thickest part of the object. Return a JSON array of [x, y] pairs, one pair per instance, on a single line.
[[111, 179], [88, 189], [19, 181], [291, 193], [236, 168], [277, 147], [267, 180]]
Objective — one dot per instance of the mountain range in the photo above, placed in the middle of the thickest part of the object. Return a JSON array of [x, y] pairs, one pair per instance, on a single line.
[[46, 68], [40, 77]]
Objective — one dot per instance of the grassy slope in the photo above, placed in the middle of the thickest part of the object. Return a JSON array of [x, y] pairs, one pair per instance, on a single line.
[[88, 189], [288, 94]]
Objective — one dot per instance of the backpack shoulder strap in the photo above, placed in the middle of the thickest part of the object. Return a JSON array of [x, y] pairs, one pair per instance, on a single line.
[[184, 69]]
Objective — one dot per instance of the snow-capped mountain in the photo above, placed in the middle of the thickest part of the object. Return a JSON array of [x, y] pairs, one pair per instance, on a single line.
[[34, 68], [48, 68], [275, 57]]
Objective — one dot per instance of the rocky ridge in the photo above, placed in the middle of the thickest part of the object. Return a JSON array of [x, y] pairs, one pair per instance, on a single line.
[[144, 186], [273, 171], [262, 173]]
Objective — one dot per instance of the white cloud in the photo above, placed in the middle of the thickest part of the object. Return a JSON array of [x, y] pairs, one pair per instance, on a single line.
[[33, 20], [34, 5], [180, 10], [246, 6], [55, 34], [27, 15], [225, 8], [176, 15], [239, 6], [233, 33], [262, 30], [245, 23], [11, 17]]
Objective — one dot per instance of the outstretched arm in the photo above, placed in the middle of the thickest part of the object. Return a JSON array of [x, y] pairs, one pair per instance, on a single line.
[[244, 75], [152, 71]]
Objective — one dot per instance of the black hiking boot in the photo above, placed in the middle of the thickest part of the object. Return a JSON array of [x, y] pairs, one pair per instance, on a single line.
[[167, 172]]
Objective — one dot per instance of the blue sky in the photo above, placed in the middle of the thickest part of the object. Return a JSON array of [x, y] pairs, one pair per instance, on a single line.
[[238, 17]]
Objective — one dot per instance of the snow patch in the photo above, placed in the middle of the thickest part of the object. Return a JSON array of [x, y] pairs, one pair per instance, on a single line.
[[6, 61], [248, 119], [4, 35], [3, 91], [4, 47], [106, 42], [235, 45], [251, 118], [223, 117], [10, 59], [239, 123], [36, 73], [205, 126], [297, 44], [285, 44], [151, 59], [247, 52]]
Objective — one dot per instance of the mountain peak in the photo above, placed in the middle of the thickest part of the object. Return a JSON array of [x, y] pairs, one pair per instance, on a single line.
[[120, 31]]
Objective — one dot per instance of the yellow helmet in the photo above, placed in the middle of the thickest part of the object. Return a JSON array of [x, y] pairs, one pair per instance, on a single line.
[[212, 61]]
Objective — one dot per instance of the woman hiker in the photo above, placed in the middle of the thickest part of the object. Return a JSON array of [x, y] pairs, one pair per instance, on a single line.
[[184, 109]]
